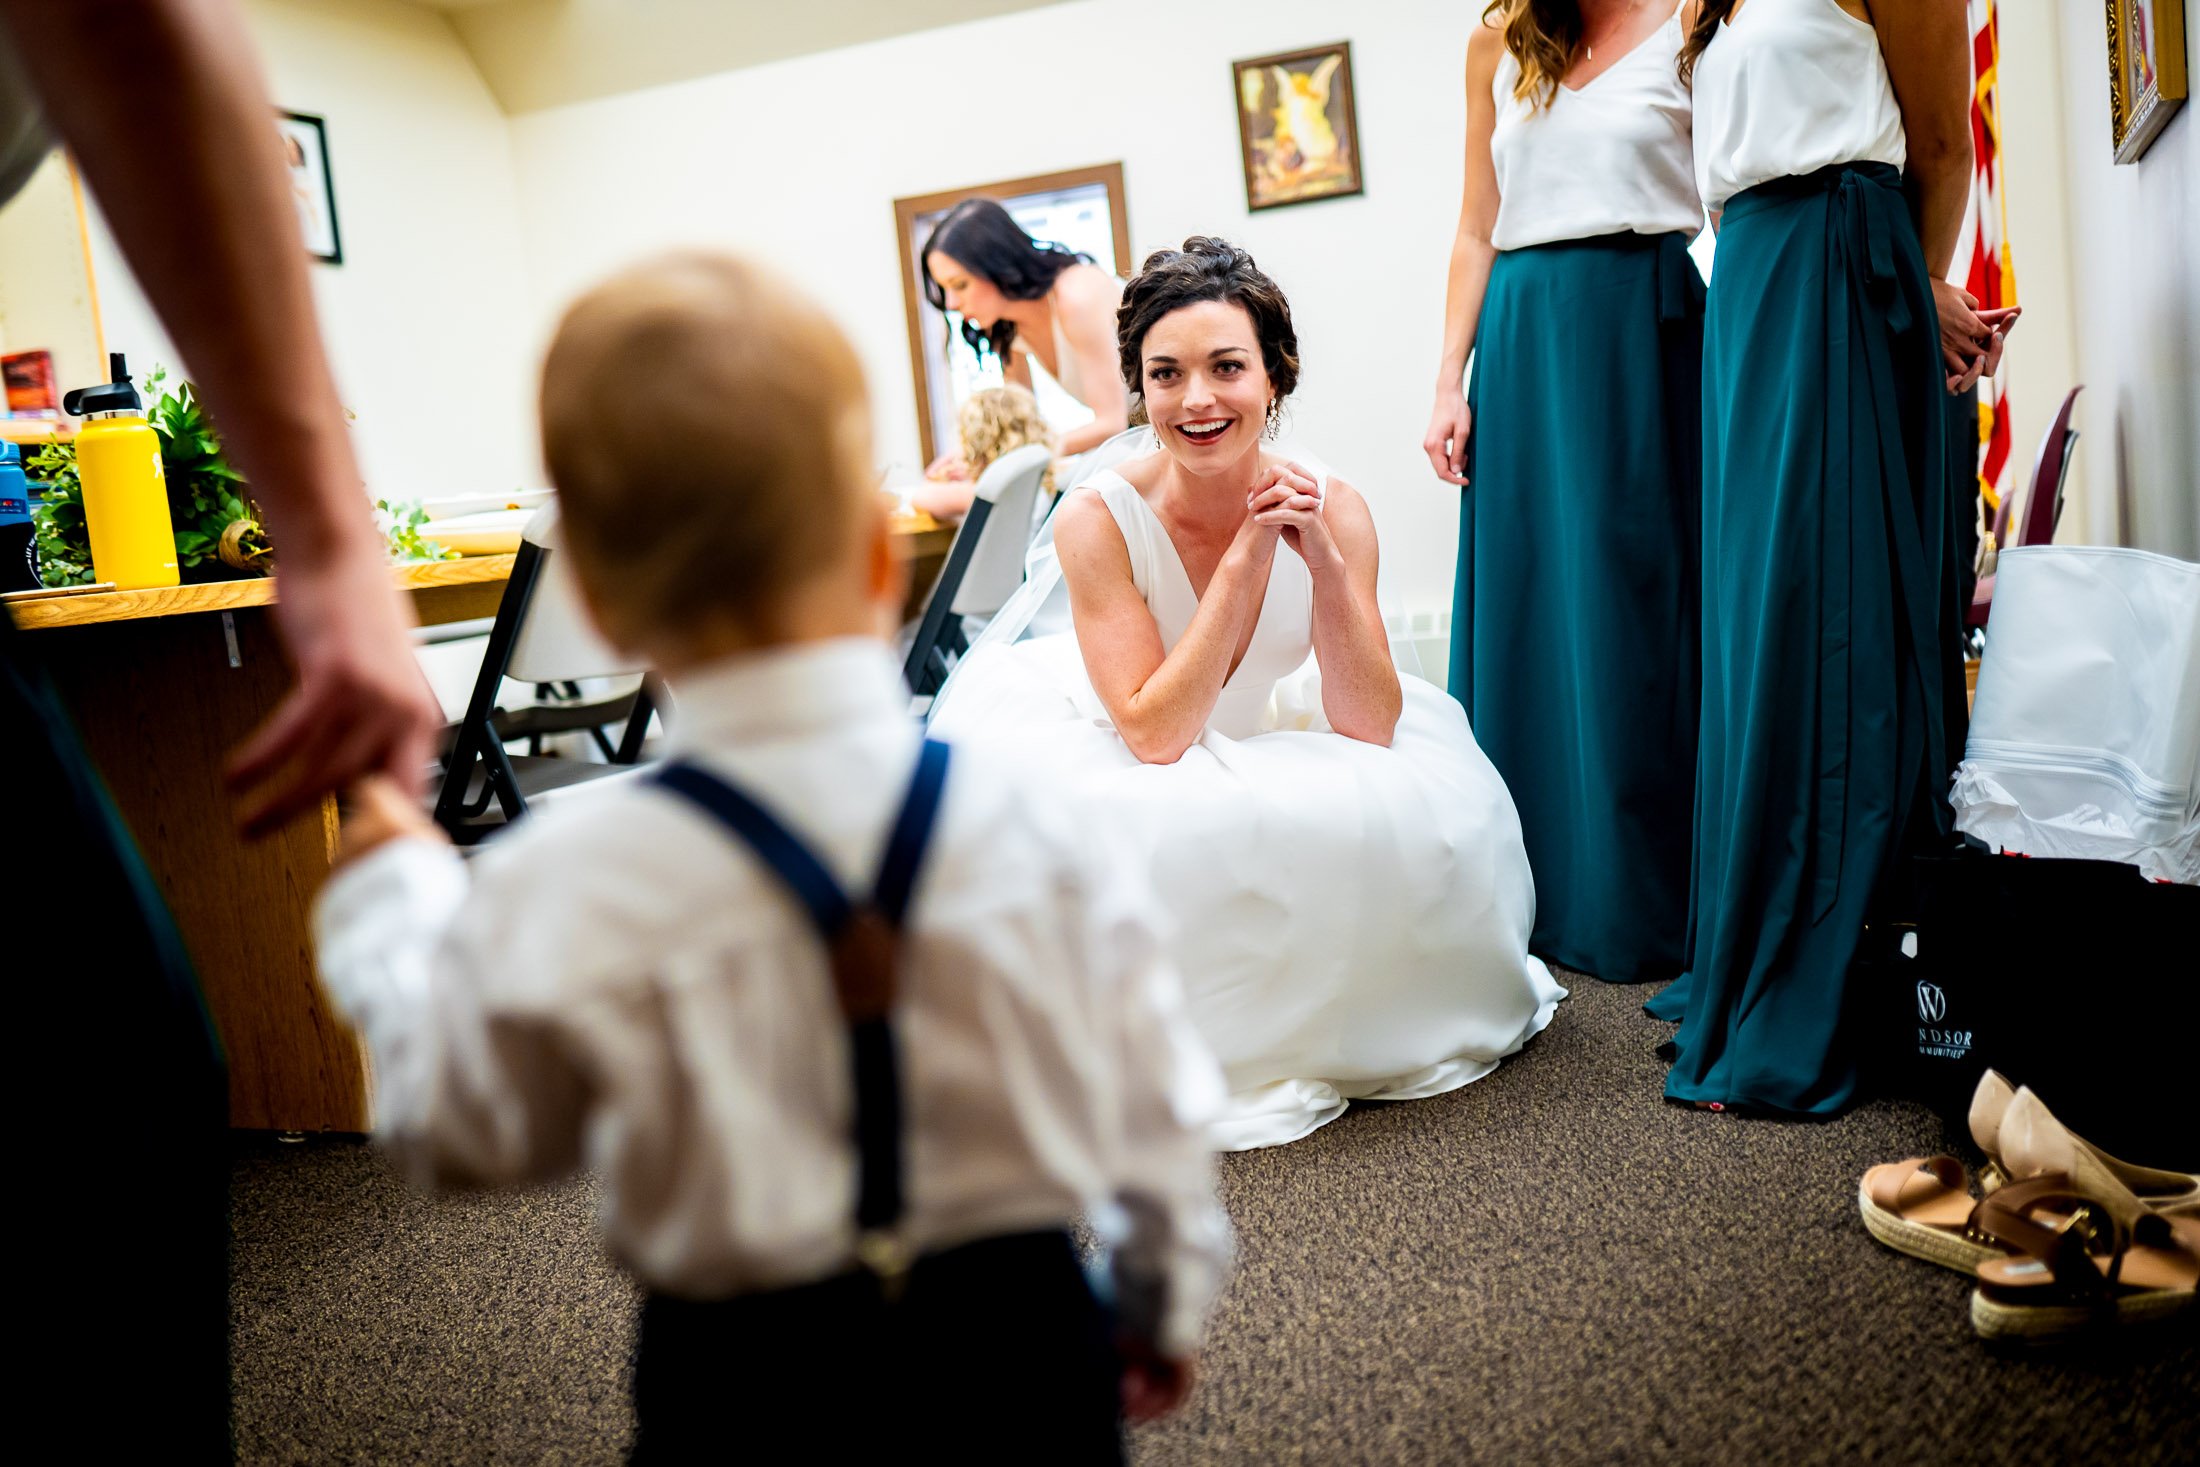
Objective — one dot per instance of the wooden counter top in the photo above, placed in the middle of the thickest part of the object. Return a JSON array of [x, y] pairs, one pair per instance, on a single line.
[[919, 532], [106, 606]]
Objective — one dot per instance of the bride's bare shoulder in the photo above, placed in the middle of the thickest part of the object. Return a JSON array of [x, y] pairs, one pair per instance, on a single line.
[[1085, 532], [1336, 491]]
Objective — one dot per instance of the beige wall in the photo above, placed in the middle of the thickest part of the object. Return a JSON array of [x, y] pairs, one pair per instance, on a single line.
[[799, 161], [464, 228], [545, 53], [2135, 292], [45, 286], [2041, 363], [427, 318]]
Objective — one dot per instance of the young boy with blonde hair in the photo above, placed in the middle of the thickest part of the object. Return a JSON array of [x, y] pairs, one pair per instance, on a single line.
[[849, 1041]]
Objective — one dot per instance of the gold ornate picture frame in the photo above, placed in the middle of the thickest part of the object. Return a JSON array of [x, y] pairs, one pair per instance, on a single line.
[[2146, 71], [1298, 132]]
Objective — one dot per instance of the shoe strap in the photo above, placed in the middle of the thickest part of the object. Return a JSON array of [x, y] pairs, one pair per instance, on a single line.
[[2005, 1216], [1887, 1184]]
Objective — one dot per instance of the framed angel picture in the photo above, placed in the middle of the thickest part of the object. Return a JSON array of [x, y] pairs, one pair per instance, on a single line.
[[1296, 126], [2146, 71]]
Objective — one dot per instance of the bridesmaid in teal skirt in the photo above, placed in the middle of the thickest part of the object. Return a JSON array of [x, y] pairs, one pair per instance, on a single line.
[[1833, 697], [1574, 626]]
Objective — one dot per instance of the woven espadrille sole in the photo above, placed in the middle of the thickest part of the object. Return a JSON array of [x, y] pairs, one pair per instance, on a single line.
[[1995, 1320], [1934, 1245]]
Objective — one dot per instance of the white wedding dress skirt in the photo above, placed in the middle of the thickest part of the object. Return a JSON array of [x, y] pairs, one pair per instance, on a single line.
[[1351, 921]]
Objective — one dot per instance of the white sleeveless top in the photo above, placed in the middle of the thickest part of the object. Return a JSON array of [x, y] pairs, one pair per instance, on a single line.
[[1281, 639], [1791, 87], [1611, 157]]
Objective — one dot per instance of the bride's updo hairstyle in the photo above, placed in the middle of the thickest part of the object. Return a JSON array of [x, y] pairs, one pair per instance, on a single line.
[[1206, 269]]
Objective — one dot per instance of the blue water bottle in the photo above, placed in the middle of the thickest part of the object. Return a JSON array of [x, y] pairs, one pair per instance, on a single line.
[[18, 560]]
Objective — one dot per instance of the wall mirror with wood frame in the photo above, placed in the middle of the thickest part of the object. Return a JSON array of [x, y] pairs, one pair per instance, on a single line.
[[1081, 208]]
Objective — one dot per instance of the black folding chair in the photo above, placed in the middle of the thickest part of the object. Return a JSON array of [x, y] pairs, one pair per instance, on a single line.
[[538, 636]]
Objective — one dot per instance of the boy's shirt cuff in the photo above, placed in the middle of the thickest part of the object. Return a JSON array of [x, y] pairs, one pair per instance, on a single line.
[[400, 896]]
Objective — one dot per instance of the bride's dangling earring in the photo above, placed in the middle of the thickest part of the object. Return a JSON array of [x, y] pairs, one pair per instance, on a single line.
[[1275, 418]]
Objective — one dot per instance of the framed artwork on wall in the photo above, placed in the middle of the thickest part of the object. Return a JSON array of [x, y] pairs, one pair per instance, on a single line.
[[1079, 207], [312, 189], [2146, 71], [1296, 126]]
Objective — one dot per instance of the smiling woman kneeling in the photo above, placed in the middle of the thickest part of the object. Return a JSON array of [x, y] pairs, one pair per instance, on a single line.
[[1351, 898]]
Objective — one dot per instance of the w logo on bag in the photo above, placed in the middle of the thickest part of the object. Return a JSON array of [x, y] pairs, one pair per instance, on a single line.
[[1932, 1004]]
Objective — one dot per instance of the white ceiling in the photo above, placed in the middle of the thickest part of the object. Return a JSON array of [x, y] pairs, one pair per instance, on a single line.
[[546, 53]]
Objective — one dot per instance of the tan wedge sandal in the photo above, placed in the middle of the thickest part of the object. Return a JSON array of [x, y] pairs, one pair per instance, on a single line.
[[1995, 1098], [2084, 1261], [1923, 1207]]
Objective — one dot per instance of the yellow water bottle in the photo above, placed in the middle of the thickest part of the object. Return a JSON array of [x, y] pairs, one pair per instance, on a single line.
[[125, 492]]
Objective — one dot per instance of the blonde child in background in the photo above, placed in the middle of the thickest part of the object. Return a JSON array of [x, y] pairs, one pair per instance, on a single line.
[[991, 422], [840, 1146]]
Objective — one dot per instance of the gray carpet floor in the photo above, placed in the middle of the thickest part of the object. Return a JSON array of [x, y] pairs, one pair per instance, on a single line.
[[1551, 1265]]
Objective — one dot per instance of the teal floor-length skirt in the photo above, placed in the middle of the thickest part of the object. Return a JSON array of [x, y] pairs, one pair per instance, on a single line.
[[1574, 628], [1832, 676]]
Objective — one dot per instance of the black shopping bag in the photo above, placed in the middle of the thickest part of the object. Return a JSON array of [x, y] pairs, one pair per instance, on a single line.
[[2080, 979]]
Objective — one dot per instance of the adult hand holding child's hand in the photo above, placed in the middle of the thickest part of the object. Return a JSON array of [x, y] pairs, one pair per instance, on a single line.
[[377, 812]]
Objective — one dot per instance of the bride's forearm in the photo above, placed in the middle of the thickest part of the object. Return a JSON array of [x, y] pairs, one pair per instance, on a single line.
[[1360, 692], [1168, 712]]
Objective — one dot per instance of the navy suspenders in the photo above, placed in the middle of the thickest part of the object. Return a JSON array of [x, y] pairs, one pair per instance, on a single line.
[[863, 938]]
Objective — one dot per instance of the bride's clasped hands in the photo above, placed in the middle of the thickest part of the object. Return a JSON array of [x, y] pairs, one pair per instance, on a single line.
[[1287, 501]]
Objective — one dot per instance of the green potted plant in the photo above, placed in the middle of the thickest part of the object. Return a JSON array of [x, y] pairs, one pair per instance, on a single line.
[[217, 525]]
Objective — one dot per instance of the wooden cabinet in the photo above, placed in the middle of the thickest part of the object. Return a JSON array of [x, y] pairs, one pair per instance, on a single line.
[[163, 685]]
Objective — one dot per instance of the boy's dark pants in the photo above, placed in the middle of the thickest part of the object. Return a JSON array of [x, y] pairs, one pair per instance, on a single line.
[[995, 1352]]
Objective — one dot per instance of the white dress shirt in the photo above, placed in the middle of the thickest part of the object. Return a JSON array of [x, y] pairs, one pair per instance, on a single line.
[[621, 985]]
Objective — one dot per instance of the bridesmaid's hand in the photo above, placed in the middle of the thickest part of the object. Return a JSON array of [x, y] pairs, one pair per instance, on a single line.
[[1445, 443], [1287, 499], [1967, 343], [2001, 322]]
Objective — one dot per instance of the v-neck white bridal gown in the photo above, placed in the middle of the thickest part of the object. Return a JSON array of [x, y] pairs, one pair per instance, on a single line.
[[1352, 920]]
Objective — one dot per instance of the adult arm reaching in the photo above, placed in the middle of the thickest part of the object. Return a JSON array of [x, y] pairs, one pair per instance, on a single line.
[[163, 104]]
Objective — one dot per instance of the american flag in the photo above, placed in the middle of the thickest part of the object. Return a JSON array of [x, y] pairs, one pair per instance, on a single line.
[[1983, 267]]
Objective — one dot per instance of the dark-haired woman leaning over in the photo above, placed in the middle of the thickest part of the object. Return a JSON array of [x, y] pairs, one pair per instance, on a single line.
[[1574, 632], [1028, 300], [1833, 694]]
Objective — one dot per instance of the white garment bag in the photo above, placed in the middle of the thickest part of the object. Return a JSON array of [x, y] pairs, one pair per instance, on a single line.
[[2085, 734]]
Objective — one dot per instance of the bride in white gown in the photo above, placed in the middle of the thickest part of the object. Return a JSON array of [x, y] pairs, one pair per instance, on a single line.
[[1344, 866]]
